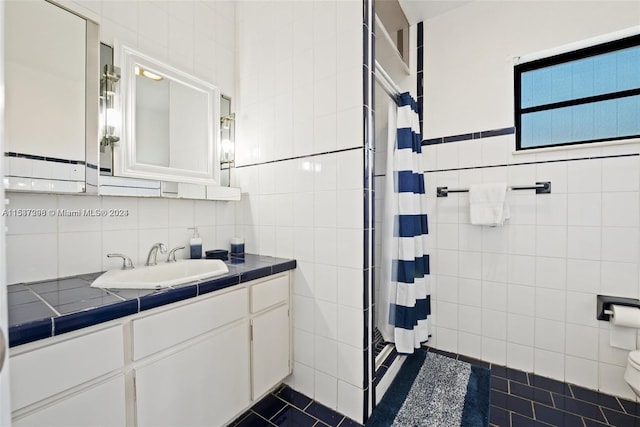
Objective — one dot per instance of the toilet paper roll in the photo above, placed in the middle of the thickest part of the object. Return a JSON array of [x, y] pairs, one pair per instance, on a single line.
[[624, 324], [623, 315]]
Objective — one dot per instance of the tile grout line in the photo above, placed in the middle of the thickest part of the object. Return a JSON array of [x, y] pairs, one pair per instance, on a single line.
[[304, 411]]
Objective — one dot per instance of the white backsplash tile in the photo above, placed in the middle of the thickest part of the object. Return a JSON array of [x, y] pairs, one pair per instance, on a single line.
[[32, 257], [74, 214], [45, 221], [79, 253]]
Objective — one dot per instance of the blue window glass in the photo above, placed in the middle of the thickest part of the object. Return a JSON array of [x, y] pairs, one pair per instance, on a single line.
[[588, 95]]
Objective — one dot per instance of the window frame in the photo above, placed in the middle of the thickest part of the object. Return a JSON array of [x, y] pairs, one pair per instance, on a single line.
[[563, 58]]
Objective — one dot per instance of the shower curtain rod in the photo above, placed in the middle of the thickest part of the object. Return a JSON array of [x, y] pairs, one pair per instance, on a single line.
[[387, 83]]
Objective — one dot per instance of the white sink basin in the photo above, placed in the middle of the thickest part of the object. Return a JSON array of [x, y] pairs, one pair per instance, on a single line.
[[162, 275]]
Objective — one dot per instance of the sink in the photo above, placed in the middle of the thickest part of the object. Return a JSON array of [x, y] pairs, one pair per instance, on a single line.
[[162, 275]]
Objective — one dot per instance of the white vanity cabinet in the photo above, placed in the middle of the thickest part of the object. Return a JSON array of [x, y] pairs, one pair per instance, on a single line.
[[73, 381], [194, 362], [204, 384], [201, 361], [271, 332]]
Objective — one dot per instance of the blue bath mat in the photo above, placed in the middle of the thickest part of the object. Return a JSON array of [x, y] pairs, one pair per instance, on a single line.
[[435, 390]]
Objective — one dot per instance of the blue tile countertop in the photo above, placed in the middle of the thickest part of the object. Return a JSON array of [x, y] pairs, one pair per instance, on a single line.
[[44, 309]]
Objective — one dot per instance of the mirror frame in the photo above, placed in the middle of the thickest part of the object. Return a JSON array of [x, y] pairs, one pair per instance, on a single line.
[[125, 162]]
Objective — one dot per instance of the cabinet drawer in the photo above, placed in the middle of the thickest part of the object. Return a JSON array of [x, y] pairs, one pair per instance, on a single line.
[[168, 328], [99, 406], [43, 372], [269, 293]]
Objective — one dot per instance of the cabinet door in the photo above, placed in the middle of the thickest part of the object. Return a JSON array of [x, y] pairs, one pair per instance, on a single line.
[[271, 349], [102, 405], [204, 384]]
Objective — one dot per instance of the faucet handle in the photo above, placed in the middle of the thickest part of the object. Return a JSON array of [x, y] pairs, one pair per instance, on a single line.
[[127, 264], [172, 253]]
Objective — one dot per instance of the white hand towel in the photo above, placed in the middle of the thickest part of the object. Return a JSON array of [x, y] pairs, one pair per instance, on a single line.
[[488, 204]]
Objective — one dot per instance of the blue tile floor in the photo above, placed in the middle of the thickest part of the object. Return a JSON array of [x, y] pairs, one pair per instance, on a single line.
[[518, 399], [286, 407], [523, 399]]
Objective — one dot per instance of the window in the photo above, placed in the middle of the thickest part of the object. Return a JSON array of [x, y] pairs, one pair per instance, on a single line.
[[588, 95]]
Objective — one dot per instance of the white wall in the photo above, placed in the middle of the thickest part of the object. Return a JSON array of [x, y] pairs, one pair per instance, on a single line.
[[299, 101], [195, 36], [524, 295]]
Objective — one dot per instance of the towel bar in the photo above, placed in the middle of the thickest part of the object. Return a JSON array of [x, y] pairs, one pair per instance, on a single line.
[[540, 187]]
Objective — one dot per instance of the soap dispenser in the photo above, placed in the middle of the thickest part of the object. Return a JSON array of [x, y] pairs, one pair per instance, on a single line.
[[195, 244]]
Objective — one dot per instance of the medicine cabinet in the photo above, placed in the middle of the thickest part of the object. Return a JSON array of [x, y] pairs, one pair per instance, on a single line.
[[51, 99], [170, 134], [170, 131]]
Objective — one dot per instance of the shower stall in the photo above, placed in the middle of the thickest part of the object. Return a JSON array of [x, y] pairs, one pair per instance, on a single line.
[[392, 76]]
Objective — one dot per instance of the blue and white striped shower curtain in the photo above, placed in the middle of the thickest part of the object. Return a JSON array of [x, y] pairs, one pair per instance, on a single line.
[[404, 302]]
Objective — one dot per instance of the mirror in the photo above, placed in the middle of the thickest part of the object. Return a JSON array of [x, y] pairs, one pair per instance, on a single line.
[[51, 94], [170, 123]]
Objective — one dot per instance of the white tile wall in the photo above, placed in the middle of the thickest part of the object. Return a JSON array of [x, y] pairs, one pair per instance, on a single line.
[[527, 291], [306, 102], [54, 245]]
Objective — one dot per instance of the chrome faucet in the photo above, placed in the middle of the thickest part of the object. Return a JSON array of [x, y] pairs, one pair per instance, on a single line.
[[153, 252], [126, 261], [172, 253]]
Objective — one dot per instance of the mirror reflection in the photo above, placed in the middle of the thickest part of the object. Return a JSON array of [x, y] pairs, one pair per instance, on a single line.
[[171, 122]]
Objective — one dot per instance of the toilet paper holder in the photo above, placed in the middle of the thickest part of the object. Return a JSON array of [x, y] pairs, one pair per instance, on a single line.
[[604, 303]]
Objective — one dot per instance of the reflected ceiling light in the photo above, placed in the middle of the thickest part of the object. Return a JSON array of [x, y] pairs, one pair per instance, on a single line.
[[148, 74]]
